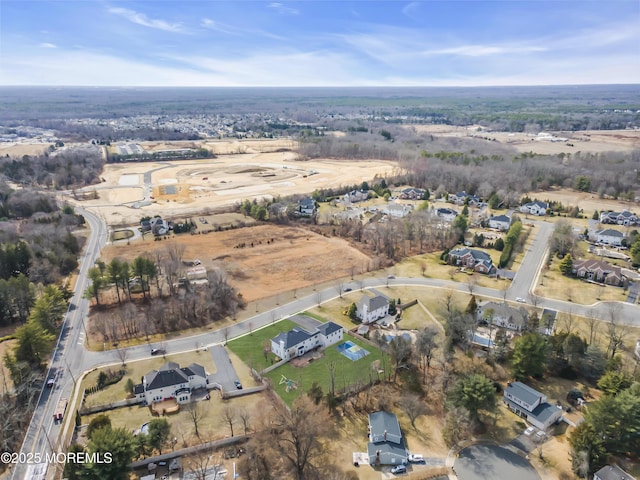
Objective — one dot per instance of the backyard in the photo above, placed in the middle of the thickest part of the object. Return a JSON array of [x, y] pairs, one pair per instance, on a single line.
[[290, 382]]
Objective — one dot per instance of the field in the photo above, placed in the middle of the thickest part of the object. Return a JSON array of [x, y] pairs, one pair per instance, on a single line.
[[296, 258], [583, 141], [244, 170]]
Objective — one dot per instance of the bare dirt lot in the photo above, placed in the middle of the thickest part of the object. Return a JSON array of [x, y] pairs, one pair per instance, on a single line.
[[555, 142], [244, 170], [589, 202], [294, 257]]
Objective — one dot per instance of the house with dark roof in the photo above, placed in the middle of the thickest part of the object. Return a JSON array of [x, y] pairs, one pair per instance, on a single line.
[[477, 260], [306, 207], [531, 405], [297, 341], [386, 443], [500, 222], [355, 196], [460, 198], [370, 309], [171, 381], [612, 472], [625, 217], [535, 208], [447, 214], [608, 236], [599, 271], [502, 315]]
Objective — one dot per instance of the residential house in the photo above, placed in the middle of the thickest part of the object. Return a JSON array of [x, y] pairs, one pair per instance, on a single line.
[[625, 217], [386, 443], [500, 222], [171, 381], [370, 309], [397, 210], [608, 236], [599, 271], [475, 259], [412, 194], [502, 315], [531, 405], [356, 196], [460, 198], [159, 226], [306, 207], [447, 214], [297, 341], [612, 472], [535, 208]]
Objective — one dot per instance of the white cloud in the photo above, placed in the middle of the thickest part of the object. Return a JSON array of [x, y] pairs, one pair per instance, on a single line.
[[483, 50], [282, 9], [141, 19], [48, 45], [410, 8]]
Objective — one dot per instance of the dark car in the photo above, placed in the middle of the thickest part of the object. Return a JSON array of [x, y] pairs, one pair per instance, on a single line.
[[156, 351], [238, 385], [348, 289]]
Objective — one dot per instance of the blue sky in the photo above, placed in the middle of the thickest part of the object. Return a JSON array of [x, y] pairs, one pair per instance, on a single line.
[[319, 43]]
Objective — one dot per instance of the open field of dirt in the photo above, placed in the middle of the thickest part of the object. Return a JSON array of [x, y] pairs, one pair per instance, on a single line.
[[294, 257], [248, 170], [556, 142], [589, 202]]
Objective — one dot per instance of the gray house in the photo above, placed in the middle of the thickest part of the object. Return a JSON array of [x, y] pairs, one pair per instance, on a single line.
[[531, 405], [386, 444], [612, 472]]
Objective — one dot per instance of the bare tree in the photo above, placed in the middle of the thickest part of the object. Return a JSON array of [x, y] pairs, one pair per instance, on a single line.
[[426, 345], [245, 418], [534, 300], [122, 355], [414, 407], [617, 335], [318, 297], [196, 414], [569, 320], [447, 299], [472, 283], [203, 465], [339, 288], [301, 434], [593, 324], [228, 416]]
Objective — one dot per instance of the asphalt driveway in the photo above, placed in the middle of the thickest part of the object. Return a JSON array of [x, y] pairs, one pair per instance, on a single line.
[[225, 374], [482, 462]]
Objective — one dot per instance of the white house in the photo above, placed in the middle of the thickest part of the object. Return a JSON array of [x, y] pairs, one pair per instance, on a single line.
[[531, 405], [535, 208], [355, 196], [625, 217], [297, 341], [397, 210], [502, 315], [447, 214], [612, 472], [500, 222], [159, 226], [306, 207], [171, 381], [609, 236], [370, 309]]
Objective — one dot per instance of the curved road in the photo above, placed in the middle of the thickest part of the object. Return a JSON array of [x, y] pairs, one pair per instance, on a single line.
[[71, 359]]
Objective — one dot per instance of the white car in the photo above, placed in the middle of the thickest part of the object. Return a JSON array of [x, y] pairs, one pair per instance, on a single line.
[[520, 300], [416, 458], [529, 431]]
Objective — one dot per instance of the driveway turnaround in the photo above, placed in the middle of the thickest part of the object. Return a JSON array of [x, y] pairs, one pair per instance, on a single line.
[[482, 462]]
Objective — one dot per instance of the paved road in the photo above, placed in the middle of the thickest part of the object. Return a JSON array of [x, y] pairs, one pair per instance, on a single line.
[[482, 462], [71, 359], [67, 362]]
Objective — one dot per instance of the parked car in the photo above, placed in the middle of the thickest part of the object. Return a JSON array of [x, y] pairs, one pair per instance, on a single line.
[[416, 458], [157, 351], [399, 469], [348, 289], [50, 382], [520, 300], [238, 385], [529, 431]]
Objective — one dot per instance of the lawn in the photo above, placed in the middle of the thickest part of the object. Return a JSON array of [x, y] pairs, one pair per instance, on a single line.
[[249, 348], [135, 371], [554, 284], [347, 372]]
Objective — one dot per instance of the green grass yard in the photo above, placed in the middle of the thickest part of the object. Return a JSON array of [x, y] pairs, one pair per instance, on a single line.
[[249, 348], [347, 372]]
